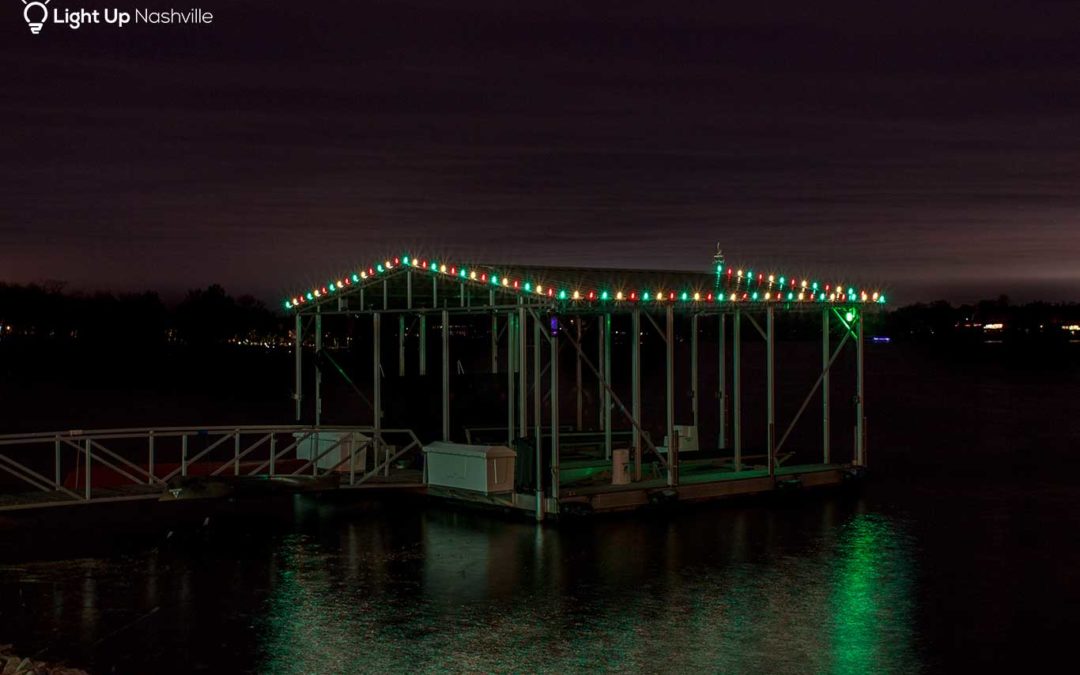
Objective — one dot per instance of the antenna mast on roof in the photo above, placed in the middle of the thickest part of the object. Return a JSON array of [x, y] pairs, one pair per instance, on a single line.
[[718, 263]]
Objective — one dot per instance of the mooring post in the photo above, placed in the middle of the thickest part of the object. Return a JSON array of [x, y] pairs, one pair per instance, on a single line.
[[580, 421], [736, 413], [722, 377], [825, 371], [555, 414], [298, 348], [537, 421], [446, 375], [770, 386], [860, 394], [672, 441], [607, 390], [376, 385], [635, 384]]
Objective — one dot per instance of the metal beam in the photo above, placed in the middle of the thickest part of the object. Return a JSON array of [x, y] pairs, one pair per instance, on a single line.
[[580, 421], [423, 344], [523, 374], [510, 406], [694, 369], [600, 342], [401, 345], [494, 343]]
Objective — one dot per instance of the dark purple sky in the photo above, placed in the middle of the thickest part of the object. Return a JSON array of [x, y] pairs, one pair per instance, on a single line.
[[931, 147]]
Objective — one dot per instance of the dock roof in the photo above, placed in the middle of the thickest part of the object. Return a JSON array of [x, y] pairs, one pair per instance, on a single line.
[[579, 288]]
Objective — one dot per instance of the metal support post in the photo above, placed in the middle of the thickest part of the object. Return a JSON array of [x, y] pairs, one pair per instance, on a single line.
[[523, 374], [401, 344], [554, 367], [736, 364], [860, 394], [722, 377], [87, 450], [273, 452], [318, 370], [510, 356], [236, 453], [826, 412], [446, 376], [770, 386], [672, 441], [299, 386], [577, 381], [537, 422], [694, 369], [606, 398], [376, 383], [494, 343], [183, 455], [601, 368], [423, 344], [56, 462], [635, 378]]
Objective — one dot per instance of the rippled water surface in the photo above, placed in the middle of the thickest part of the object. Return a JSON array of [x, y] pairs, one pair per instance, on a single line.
[[959, 556]]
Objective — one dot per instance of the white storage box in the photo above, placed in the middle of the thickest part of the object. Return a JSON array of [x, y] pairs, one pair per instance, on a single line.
[[315, 444], [480, 468]]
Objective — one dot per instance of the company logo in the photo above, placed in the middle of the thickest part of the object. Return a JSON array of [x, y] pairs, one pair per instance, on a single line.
[[36, 14]]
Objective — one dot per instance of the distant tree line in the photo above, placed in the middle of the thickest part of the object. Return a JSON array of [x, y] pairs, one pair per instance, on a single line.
[[211, 316], [204, 316]]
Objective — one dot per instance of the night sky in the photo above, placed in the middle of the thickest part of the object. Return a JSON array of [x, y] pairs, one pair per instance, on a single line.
[[932, 148]]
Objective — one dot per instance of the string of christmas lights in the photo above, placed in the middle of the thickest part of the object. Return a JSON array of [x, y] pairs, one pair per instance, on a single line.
[[743, 286]]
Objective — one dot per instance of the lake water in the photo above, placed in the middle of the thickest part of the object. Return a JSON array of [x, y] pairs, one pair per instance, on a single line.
[[960, 555]]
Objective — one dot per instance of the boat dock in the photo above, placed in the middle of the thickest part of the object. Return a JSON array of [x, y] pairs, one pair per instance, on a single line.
[[592, 384]]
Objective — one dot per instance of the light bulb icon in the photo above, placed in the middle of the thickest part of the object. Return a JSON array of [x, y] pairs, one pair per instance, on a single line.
[[36, 14]]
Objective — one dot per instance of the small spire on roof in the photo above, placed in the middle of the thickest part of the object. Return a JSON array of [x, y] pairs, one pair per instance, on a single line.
[[718, 257]]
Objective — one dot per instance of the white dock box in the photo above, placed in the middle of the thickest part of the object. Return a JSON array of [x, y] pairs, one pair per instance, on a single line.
[[480, 468]]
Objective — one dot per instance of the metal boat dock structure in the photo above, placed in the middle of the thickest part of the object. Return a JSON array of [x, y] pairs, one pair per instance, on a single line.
[[561, 365]]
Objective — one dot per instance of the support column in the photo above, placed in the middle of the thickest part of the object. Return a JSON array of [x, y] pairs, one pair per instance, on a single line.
[[635, 379], [523, 373], [555, 418], [580, 421], [722, 377], [606, 398], [860, 395], [537, 422], [770, 387], [446, 376], [672, 441], [299, 348], [401, 345], [318, 370], [510, 356], [736, 338], [826, 413], [376, 384], [423, 344]]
